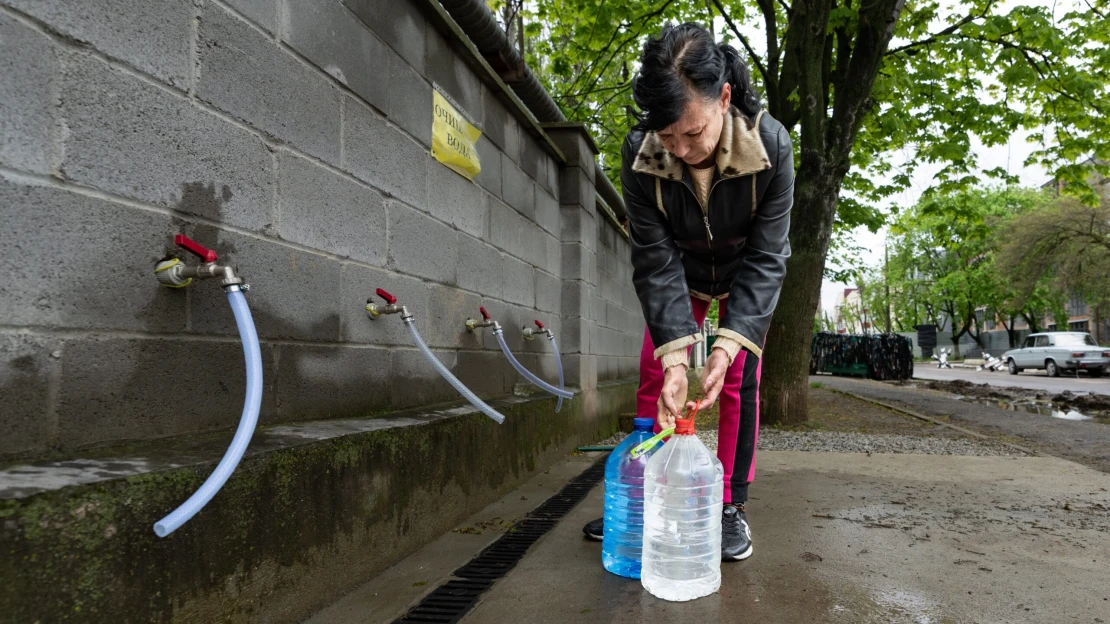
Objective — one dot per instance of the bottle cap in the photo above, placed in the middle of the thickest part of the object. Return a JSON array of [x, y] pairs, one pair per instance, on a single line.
[[643, 423], [684, 426]]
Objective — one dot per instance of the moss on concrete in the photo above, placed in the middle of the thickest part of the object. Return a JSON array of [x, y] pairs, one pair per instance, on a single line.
[[291, 530]]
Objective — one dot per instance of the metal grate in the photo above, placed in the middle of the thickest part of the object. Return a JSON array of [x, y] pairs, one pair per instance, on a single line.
[[451, 601]]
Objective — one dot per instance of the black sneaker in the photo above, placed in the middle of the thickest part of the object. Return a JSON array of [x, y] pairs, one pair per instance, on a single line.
[[736, 537], [595, 529]]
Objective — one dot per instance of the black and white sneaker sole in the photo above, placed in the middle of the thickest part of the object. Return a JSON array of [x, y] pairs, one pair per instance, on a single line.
[[591, 536], [742, 556]]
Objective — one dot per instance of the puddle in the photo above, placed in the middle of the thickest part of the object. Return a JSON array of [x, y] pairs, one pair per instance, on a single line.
[[1034, 406]]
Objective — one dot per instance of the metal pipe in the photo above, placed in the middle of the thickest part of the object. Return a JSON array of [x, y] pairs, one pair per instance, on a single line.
[[479, 24]]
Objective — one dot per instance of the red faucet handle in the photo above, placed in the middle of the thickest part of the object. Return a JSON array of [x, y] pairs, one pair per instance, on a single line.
[[195, 248], [390, 299], [485, 314], [540, 325]]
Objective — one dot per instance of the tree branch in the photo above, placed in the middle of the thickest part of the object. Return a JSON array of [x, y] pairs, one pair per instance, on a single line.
[[942, 34], [744, 40]]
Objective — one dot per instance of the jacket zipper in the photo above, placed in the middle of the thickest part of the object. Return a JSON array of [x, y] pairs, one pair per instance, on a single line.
[[708, 230]]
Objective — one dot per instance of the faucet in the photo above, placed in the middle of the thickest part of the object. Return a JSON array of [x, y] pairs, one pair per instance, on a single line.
[[530, 334], [473, 324], [374, 310], [172, 272]]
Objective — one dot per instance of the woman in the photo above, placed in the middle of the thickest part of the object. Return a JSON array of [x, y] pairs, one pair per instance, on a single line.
[[708, 181]]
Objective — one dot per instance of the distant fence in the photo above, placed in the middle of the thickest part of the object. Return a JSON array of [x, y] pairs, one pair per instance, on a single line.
[[879, 356]]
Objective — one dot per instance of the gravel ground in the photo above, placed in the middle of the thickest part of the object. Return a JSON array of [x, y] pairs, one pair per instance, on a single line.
[[842, 442]]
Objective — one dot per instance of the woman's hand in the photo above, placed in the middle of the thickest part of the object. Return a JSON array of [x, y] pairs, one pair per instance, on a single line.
[[713, 377], [673, 396]]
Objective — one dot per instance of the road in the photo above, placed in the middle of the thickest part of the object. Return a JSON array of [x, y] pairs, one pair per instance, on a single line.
[[1033, 380]]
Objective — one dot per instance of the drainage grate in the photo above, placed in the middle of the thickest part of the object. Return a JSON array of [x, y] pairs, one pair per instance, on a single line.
[[451, 601]]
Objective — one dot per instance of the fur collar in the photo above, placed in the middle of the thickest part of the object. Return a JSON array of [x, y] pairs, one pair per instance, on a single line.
[[739, 153]]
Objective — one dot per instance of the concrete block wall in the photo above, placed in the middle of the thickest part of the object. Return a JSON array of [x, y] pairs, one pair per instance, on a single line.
[[292, 136]]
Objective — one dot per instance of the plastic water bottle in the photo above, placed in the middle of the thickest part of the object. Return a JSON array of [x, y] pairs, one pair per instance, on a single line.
[[624, 503], [683, 488]]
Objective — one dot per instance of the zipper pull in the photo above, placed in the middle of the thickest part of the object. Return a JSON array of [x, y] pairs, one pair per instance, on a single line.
[[707, 230]]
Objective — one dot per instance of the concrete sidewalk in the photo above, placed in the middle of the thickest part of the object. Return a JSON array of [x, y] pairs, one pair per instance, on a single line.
[[859, 538]]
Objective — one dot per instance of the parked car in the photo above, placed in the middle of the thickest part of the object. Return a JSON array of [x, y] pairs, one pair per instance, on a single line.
[[1059, 351]]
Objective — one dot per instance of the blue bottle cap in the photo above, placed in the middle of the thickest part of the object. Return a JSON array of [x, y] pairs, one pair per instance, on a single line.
[[643, 424]]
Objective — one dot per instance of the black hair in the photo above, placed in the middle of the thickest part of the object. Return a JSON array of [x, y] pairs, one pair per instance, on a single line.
[[684, 61]]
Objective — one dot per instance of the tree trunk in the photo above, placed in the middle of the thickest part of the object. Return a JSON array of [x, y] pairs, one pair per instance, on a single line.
[[785, 388]]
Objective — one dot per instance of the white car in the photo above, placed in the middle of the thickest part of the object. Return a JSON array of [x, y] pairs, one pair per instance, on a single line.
[[1059, 351]]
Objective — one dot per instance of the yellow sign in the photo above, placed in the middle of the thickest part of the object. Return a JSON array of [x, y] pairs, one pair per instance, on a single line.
[[454, 139]]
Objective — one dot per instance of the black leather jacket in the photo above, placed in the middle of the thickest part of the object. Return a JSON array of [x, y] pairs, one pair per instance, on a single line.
[[736, 247]]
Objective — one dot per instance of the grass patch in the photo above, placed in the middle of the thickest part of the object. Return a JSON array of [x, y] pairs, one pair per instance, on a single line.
[[816, 385]]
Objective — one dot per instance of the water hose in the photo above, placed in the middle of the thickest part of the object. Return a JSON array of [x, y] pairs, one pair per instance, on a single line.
[[253, 402], [527, 374], [559, 363], [451, 379]]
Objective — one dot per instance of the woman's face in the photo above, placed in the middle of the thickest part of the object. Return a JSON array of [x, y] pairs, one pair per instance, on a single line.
[[695, 135]]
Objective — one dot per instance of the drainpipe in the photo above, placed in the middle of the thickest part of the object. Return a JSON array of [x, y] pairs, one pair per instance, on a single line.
[[391, 306], [479, 24], [173, 273], [498, 333]]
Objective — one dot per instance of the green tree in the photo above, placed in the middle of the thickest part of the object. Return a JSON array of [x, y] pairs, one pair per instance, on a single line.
[[856, 82], [1060, 247]]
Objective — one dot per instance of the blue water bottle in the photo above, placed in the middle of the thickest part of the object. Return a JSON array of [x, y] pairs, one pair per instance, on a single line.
[[624, 503]]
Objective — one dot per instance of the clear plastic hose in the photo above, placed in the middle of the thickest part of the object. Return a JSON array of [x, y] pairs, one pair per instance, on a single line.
[[527, 374], [559, 363], [247, 422], [451, 379]]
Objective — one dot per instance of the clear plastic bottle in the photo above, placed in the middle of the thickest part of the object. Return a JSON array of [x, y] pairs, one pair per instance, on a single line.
[[683, 488], [623, 542]]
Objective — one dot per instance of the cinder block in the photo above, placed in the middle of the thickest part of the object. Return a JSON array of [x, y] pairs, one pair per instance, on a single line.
[[247, 75], [512, 139], [414, 380], [547, 212], [577, 262], [151, 35], [337, 42], [490, 159], [481, 267], [361, 283], [127, 137], [420, 245], [153, 388], [576, 299], [581, 371], [578, 225], [551, 181], [26, 362], [505, 227], [316, 382], [448, 309], [398, 23], [554, 255], [597, 309], [576, 189], [520, 286], [77, 262], [326, 211], [575, 336], [533, 160], [261, 12], [456, 200], [381, 155], [518, 190], [410, 101], [549, 293], [486, 373], [27, 67], [494, 118], [533, 247], [289, 295], [447, 71]]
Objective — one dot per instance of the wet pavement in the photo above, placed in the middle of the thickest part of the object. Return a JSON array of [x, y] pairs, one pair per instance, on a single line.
[[862, 538], [1086, 442], [1030, 379]]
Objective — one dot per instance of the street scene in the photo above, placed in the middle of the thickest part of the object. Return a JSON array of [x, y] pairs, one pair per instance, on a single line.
[[525, 311]]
